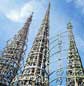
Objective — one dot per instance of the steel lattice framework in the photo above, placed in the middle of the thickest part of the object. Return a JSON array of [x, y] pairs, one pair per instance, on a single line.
[[35, 72], [12, 55], [59, 69], [58, 53], [75, 74]]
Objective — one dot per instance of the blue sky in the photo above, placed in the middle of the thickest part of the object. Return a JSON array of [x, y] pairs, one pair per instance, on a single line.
[[13, 14]]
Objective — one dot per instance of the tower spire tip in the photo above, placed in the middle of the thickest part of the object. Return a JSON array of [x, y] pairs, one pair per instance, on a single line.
[[69, 25]]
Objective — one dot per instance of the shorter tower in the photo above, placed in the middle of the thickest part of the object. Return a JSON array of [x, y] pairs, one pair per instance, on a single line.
[[75, 74], [12, 55], [35, 72]]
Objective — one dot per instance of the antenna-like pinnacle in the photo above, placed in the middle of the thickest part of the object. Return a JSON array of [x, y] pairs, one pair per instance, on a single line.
[[29, 19], [69, 25]]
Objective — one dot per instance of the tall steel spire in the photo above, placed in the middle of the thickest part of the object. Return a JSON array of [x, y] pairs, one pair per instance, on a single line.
[[12, 55], [35, 72], [75, 74]]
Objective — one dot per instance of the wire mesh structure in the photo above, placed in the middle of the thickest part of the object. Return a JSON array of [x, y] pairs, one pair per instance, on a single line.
[[12, 55], [35, 72], [59, 71], [58, 54], [75, 73]]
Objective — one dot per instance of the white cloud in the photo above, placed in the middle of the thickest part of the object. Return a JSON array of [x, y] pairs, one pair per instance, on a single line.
[[13, 15], [19, 14], [27, 8], [78, 4]]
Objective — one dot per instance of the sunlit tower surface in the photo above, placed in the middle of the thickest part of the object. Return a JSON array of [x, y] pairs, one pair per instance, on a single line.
[[35, 72], [75, 74], [12, 55]]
